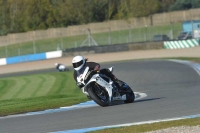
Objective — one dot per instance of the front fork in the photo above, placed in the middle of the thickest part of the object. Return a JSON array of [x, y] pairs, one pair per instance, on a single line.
[[110, 92]]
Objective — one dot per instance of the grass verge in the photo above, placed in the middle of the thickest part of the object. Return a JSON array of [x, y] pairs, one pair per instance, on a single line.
[[18, 106], [38, 92]]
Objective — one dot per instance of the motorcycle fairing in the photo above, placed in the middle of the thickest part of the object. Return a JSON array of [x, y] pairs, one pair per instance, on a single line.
[[96, 78]]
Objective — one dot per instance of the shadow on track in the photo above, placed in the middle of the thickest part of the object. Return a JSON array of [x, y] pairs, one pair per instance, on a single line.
[[137, 101]]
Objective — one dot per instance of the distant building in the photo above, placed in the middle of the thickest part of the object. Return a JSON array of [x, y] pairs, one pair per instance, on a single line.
[[192, 27]]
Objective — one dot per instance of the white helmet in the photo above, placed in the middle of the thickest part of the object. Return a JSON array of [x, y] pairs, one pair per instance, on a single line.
[[56, 64], [78, 62]]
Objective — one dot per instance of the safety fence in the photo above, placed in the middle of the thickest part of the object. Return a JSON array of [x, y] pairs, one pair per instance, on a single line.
[[88, 39]]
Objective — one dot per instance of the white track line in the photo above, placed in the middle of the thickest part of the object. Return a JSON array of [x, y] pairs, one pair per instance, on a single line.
[[125, 125]]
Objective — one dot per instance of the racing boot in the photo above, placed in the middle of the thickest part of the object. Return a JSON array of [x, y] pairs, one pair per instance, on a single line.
[[89, 97]]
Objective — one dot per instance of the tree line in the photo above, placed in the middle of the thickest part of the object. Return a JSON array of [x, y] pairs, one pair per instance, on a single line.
[[26, 15]]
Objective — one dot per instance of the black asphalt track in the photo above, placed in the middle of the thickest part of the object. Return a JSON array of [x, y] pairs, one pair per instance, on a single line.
[[172, 90]]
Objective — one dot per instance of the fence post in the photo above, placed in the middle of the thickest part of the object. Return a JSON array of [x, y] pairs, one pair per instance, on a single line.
[[140, 35], [130, 33], [6, 44], [61, 40], [119, 38], [192, 28], [146, 33], [19, 52], [172, 29], [151, 33], [109, 38], [34, 51], [6, 49]]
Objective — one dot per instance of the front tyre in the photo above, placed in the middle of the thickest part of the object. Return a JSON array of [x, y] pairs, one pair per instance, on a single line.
[[130, 96], [99, 95]]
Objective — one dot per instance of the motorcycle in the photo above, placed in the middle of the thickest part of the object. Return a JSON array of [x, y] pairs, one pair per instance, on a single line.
[[102, 90], [61, 67]]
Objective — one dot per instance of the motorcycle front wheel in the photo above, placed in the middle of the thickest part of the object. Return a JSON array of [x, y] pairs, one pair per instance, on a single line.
[[99, 95], [130, 96]]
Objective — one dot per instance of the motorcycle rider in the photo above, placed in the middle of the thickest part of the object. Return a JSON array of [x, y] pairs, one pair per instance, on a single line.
[[60, 67], [80, 63]]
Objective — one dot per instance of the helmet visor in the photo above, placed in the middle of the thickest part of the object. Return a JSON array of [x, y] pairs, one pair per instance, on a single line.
[[77, 64]]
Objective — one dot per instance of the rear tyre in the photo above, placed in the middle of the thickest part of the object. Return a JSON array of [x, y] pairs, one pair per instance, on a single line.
[[99, 95]]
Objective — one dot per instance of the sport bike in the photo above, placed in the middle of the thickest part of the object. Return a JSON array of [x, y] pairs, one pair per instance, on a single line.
[[102, 90]]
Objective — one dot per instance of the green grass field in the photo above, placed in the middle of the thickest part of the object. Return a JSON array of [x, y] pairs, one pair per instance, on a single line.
[[106, 38], [38, 92]]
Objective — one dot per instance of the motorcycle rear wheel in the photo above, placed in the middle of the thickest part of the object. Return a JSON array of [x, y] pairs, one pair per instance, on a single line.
[[99, 95]]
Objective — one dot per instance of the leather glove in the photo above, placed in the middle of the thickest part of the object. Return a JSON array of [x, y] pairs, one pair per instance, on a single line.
[[79, 84], [97, 68]]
